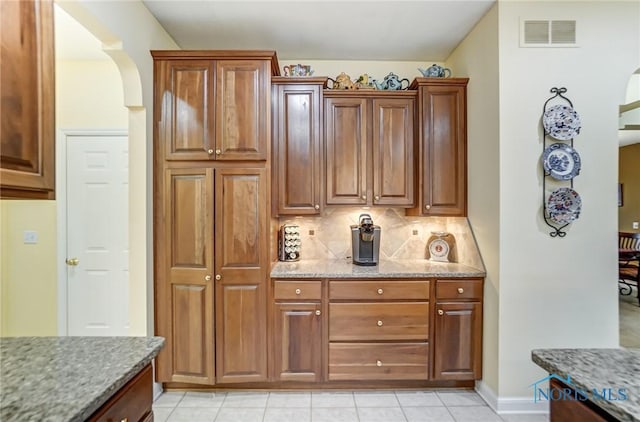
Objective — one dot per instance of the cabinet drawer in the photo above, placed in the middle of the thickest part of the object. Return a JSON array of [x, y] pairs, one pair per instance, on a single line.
[[297, 289], [132, 402], [459, 289], [379, 290], [378, 321], [375, 361]]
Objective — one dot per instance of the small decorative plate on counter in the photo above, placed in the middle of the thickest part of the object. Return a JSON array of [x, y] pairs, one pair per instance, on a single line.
[[562, 122], [564, 206], [561, 161]]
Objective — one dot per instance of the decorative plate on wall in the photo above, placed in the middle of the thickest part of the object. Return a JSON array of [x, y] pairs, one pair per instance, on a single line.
[[564, 205], [562, 122], [561, 161]]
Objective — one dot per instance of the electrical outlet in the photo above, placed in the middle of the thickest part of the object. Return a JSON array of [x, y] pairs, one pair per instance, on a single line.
[[635, 225], [30, 237]]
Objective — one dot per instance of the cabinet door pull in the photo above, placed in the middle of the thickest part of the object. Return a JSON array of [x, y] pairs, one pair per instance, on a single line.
[[209, 151], [440, 312], [218, 152], [218, 277], [364, 197], [428, 207], [317, 207], [378, 363], [207, 277], [379, 323], [460, 290], [380, 291], [377, 197], [298, 291], [318, 312]]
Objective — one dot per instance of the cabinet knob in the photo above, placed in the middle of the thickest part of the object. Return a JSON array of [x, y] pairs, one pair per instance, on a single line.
[[380, 291], [428, 207], [378, 363], [72, 261], [210, 151], [298, 291], [377, 197], [440, 312], [364, 197], [218, 277], [124, 420], [218, 152], [318, 312], [207, 277], [317, 207], [379, 323], [460, 290]]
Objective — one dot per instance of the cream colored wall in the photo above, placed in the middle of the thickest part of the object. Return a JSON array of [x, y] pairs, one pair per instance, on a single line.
[[28, 287], [629, 176], [477, 58], [559, 292]]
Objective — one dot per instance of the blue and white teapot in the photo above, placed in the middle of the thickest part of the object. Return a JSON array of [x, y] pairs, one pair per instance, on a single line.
[[391, 82], [436, 71]]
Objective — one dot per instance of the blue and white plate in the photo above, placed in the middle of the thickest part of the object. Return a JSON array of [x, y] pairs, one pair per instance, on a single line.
[[561, 121], [561, 162], [564, 205]]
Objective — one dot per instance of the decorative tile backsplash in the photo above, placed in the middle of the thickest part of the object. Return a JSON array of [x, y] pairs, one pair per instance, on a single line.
[[402, 237]]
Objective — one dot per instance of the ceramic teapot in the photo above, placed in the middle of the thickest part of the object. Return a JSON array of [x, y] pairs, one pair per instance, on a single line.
[[435, 71], [342, 81], [391, 82]]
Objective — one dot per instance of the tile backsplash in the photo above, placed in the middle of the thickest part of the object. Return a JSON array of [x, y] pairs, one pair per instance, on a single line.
[[402, 237]]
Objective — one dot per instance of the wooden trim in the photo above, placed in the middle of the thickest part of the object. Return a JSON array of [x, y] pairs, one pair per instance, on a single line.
[[330, 385], [417, 82]]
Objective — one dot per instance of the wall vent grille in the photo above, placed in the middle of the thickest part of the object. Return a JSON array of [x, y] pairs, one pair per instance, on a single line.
[[548, 33]]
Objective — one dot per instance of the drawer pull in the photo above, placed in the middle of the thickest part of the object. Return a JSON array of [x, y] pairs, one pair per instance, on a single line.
[[318, 312], [440, 312], [298, 291], [379, 323], [460, 290], [380, 291], [378, 363]]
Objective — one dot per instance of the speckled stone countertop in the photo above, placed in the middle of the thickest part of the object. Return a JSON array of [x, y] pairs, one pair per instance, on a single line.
[[598, 369], [401, 268], [60, 379]]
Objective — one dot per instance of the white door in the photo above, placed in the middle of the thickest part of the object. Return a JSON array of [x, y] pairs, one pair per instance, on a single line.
[[97, 236]]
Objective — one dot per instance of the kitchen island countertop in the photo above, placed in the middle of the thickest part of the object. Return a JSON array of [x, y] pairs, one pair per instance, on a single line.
[[600, 369], [400, 268], [67, 378]]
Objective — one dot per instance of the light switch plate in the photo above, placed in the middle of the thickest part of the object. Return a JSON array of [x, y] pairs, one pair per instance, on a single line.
[[30, 237]]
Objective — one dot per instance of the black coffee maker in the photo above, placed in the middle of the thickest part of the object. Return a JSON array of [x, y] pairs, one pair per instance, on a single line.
[[365, 241]]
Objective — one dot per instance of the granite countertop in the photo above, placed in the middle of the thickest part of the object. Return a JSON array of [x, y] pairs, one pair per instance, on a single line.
[[401, 268], [67, 378], [598, 369]]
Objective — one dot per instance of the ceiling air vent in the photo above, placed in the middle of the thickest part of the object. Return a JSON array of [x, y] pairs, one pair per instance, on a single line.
[[548, 33]]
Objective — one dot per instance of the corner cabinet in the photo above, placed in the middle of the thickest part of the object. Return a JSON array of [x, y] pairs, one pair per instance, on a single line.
[[369, 147], [27, 155], [441, 147], [297, 145], [211, 203]]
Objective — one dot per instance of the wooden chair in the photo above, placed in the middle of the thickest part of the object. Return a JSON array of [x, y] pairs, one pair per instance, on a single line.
[[629, 263]]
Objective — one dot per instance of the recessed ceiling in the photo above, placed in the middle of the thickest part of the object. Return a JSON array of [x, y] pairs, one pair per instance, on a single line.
[[426, 30]]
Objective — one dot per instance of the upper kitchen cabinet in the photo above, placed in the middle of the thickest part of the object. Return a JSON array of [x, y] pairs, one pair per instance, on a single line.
[[213, 105], [27, 157], [441, 147], [297, 145], [369, 147]]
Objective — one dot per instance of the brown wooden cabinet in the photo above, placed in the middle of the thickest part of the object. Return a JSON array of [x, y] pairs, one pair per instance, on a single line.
[[369, 148], [213, 105], [130, 403], [441, 147], [297, 145], [457, 340], [297, 335], [27, 125]]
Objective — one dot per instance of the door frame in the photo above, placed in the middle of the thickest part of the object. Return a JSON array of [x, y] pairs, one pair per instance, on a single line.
[[62, 137]]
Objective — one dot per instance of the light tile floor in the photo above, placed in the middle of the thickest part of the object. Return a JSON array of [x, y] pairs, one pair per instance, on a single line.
[[347, 406]]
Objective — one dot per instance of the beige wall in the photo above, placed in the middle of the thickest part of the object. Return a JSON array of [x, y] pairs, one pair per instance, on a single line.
[[629, 176], [477, 58]]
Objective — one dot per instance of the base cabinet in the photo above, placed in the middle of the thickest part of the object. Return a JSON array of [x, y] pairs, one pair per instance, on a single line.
[[574, 410], [131, 403]]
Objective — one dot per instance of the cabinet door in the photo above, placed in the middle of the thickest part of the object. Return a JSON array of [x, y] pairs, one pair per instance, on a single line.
[[444, 150], [184, 110], [346, 147], [297, 149], [458, 341], [241, 265], [184, 289], [27, 129], [297, 341], [392, 140], [243, 109]]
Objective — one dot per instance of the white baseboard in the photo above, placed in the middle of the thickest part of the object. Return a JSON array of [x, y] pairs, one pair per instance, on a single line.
[[510, 405]]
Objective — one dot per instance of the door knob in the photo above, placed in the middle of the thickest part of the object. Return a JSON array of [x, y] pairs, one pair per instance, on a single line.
[[72, 261]]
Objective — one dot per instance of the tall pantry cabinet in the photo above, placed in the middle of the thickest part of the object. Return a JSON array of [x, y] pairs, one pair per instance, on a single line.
[[211, 202]]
